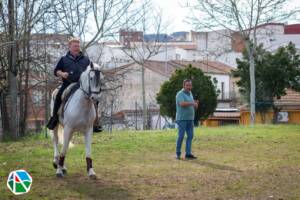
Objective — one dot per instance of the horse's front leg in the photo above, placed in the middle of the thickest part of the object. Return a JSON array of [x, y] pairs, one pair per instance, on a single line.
[[61, 170], [89, 165], [55, 145]]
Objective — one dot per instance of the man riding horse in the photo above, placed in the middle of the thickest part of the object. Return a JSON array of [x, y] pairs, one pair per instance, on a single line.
[[69, 68]]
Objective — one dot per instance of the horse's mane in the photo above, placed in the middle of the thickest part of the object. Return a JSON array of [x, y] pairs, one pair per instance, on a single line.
[[84, 76]]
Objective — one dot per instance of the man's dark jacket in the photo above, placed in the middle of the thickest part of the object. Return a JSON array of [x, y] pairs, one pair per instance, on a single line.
[[73, 66]]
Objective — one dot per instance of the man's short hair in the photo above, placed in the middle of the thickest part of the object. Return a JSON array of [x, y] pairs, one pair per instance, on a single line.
[[74, 40], [186, 81]]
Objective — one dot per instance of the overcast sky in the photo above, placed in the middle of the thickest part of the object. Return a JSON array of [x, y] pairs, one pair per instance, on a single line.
[[174, 11]]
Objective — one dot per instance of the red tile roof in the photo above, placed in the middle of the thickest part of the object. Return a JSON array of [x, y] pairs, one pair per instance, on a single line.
[[166, 69], [208, 66], [292, 98], [290, 101], [292, 29]]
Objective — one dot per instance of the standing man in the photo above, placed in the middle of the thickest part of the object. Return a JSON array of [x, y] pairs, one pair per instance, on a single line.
[[185, 114], [69, 69]]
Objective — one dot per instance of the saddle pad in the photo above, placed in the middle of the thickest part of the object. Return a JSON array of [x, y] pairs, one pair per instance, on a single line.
[[68, 92]]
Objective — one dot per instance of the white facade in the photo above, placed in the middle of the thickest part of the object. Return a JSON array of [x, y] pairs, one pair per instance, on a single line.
[[110, 56], [223, 85], [214, 45], [153, 81], [217, 45]]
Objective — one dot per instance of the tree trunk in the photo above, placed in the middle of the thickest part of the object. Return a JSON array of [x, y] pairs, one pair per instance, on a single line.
[[276, 110], [24, 104], [46, 105], [26, 63], [144, 100], [13, 120], [4, 115], [263, 116], [252, 83], [12, 75]]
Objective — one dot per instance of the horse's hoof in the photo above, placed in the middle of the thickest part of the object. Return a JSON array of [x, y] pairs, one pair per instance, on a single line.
[[59, 175], [64, 171], [54, 165], [93, 177], [92, 174]]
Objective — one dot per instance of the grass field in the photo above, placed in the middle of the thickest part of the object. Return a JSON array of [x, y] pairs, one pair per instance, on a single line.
[[233, 163]]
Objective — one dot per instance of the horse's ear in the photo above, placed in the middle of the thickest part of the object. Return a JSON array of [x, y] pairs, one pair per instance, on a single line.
[[92, 65]]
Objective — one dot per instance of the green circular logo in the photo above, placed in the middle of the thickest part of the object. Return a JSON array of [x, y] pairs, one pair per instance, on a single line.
[[19, 182]]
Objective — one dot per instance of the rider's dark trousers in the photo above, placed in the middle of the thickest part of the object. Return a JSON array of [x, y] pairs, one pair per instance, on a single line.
[[58, 100]]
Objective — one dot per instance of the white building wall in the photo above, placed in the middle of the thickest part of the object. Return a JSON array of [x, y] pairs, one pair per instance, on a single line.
[[164, 54], [229, 58], [210, 46], [131, 90], [109, 56], [281, 40], [225, 80]]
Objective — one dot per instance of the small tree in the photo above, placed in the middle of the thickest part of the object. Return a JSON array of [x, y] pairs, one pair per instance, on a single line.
[[203, 90], [274, 73]]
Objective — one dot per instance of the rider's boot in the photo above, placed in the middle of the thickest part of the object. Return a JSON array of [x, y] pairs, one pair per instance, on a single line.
[[52, 122]]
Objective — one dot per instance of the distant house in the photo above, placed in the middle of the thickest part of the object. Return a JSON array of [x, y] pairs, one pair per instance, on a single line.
[[225, 46], [156, 73], [128, 36], [180, 36], [289, 113], [161, 37]]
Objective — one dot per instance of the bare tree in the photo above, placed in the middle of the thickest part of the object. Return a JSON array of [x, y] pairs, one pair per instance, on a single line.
[[91, 20], [113, 82], [16, 25], [23, 20], [242, 17], [149, 21]]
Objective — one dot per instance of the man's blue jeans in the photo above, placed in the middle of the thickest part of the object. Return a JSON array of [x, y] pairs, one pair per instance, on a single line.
[[188, 127]]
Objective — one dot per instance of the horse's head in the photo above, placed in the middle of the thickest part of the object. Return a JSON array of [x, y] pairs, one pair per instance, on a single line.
[[91, 81]]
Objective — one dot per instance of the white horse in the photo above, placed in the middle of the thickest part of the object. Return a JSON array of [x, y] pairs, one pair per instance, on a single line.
[[79, 116]]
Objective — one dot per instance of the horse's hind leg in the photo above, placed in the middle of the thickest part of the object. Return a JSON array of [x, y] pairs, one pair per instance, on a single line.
[[89, 166], [67, 137], [55, 145]]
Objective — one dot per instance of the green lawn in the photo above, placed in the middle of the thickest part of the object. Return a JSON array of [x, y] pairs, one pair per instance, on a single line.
[[234, 163]]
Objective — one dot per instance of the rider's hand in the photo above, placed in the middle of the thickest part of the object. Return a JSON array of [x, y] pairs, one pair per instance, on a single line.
[[64, 75]]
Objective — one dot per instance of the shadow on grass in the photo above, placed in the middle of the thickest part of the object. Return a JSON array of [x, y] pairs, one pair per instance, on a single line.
[[216, 166], [96, 189]]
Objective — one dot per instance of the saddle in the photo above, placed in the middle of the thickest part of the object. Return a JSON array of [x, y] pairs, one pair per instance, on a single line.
[[68, 92]]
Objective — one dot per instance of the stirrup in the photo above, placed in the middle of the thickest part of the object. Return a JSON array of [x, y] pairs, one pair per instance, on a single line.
[[97, 129]]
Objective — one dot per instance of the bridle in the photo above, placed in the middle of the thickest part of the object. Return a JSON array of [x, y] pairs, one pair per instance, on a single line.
[[98, 82]]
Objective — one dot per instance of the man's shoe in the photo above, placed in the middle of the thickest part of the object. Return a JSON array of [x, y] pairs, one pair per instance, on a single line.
[[52, 122], [190, 157], [97, 129]]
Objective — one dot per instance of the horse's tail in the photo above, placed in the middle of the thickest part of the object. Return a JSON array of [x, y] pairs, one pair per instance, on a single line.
[[59, 134]]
